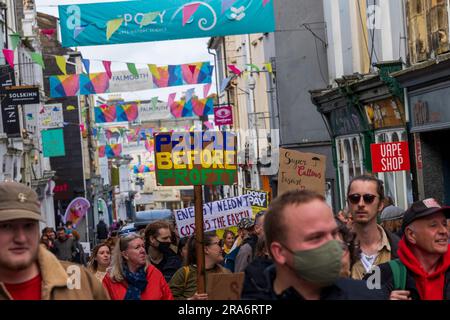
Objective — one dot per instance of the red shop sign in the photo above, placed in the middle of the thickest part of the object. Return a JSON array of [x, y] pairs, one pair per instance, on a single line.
[[390, 157]]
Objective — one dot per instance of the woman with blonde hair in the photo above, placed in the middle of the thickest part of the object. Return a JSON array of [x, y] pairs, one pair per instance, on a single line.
[[131, 277], [100, 260]]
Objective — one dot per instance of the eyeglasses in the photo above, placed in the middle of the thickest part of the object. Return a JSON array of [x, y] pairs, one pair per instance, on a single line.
[[356, 197]]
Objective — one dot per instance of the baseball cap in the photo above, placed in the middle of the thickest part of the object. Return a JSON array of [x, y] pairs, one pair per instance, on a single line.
[[423, 208], [17, 201], [391, 213], [245, 223]]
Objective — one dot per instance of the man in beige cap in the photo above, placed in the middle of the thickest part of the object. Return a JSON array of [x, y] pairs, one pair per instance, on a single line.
[[27, 270]]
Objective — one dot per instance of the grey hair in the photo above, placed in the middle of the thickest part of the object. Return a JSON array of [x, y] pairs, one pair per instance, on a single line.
[[116, 273]]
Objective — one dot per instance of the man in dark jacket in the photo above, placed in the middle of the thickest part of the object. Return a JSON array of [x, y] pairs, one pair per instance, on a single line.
[[65, 246], [159, 249], [302, 237], [423, 254], [365, 196], [102, 230]]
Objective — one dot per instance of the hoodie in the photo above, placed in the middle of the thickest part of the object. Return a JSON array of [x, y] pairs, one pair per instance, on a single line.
[[429, 285]]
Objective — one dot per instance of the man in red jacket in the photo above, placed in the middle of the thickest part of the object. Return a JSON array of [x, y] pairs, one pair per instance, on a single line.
[[424, 252]]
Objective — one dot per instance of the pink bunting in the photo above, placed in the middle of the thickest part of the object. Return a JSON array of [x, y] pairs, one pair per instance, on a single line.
[[9, 57], [192, 68], [209, 125], [188, 12], [48, 32], [234, 69], [265, 2], [107, 65], [206, 89], [171, 98]]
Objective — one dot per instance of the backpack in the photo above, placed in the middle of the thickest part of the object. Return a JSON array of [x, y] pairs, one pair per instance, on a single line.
[[398, 273]]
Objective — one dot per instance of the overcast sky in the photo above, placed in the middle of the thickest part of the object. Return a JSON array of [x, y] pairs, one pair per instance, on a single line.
[[160, 53]]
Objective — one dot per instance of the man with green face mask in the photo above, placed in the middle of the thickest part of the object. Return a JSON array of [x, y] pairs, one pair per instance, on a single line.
[[302, 238]]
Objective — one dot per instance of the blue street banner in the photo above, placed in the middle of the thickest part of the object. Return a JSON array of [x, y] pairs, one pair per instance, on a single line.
[[144, 21]]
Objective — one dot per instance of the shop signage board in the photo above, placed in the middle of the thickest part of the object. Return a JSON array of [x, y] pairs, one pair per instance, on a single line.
[[390, 157]]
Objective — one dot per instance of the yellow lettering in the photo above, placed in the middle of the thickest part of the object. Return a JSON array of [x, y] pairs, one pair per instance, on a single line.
[[206, 159], [230, 162], [178, 160], [163, 160], [217, 159]]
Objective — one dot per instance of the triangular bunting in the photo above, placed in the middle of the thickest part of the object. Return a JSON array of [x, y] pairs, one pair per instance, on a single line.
[[234, 69], [15, 40], [253, 67], [206, 89], [132, 68], [192, 68], [188, 12], [37, 58], [61, 62], [9, 57], [268, 67], [112, 26], [148, 18], [87, 65], [107, 65]]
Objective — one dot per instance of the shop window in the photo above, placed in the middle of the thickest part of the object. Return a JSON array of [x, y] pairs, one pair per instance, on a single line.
[[397, 185], [350, 161]]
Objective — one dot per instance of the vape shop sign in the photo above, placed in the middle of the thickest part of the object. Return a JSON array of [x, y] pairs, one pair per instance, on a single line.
[[390, 157]]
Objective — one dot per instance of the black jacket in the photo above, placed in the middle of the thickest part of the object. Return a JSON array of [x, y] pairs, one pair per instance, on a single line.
[[393, 241], [255, 280], [102, 230], [169, 265], [342, 289], [386, 281]]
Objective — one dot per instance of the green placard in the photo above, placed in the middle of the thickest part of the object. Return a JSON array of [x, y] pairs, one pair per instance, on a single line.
[[53, 143]]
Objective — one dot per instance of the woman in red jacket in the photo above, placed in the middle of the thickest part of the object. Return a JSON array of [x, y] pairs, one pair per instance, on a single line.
[[130, 277]]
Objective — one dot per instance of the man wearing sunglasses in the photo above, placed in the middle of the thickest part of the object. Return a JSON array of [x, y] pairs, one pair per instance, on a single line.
[[365, 196]]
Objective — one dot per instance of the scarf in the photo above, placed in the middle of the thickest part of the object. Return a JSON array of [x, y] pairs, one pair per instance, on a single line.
[[137, 282], [429, 285]]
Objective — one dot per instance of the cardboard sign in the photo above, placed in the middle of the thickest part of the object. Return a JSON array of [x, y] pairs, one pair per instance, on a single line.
[[216, 215], [301, 171], [390, 157], [51, 116], [22, 95], [223, 116], [196, 158], [259, 200], [224, 286]]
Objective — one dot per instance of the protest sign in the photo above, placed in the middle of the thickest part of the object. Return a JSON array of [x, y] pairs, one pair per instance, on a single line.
[[301, 171], [216, 215], [196, 158], [225, 286], [259, 200]]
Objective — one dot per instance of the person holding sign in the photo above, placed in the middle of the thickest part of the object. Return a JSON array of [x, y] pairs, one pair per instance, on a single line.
[[131, 277], [302, 238], [184, 281]]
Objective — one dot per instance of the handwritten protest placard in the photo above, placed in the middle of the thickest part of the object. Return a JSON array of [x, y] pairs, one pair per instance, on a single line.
[[225, 286], [216, 215], [301, 171]]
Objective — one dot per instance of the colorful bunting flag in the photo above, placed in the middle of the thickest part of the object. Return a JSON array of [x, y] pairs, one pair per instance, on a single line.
[[188, 11], [107, 65], [268, 67], [15, 40], [206, 89], [132, 68], [253, 67], [78, 30], [48, 32], [234, 69], [70, 108], [87, 65], [189, 94], [225, 83], [112, 26], [148, 18], [37, 58], [61, 62], [9, 57]]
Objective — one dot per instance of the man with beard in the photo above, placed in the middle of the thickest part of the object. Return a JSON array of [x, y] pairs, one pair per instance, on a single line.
[[158, 245], [28, 271], [365, 201]]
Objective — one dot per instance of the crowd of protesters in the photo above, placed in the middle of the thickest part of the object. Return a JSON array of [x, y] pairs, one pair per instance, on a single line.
[[298, 249]]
